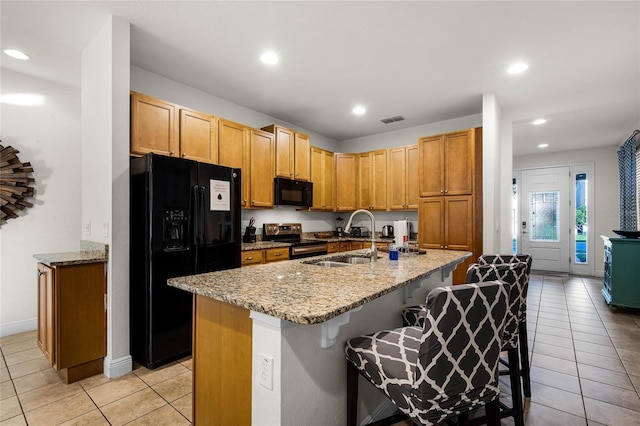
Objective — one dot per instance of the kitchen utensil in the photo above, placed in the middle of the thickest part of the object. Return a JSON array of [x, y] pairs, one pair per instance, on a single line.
[[387, 231], [250, 232]]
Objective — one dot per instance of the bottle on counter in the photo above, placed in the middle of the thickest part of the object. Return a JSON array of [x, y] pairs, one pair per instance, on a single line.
[[393, 252]]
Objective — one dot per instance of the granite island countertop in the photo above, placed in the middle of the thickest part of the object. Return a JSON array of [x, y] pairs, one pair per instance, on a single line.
[[309, 294]]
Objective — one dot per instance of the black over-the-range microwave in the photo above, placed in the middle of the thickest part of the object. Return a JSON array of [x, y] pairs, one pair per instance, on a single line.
[[289, 192]]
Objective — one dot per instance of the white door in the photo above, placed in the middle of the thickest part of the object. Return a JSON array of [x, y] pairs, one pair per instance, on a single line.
[[544, 227]]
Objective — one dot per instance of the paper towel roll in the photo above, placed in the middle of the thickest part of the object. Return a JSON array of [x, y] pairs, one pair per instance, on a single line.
[[401, 233]]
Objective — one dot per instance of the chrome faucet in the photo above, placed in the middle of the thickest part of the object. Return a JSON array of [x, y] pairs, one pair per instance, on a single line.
[[374, 250]]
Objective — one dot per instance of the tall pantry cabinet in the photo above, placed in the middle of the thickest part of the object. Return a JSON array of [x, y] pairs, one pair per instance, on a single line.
[[450, 185]]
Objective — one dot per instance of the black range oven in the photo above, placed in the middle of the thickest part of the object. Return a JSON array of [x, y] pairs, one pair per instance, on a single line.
[[291, 233]]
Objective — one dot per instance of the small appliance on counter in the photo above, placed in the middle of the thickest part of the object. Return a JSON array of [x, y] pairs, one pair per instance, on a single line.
[[387, 231], [339, 227], [356, 231], [250, 232]]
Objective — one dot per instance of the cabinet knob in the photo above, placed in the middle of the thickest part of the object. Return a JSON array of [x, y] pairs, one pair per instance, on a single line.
[[446, 190], [442, 191], [253, 202], [171, 152], [184, 154], [446, 247], [248, 258], [277, 254]]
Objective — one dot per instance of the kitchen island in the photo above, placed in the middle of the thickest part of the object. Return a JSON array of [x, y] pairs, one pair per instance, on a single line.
[[269, 339]]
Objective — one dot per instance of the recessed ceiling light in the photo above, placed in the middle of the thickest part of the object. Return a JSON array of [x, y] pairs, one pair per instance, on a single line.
[[17, 54], [518, 68], [359, 110], [270, 58], [543, 145], [539, 121]]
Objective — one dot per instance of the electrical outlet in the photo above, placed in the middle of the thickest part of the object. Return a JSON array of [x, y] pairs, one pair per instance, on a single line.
[[105, 229], [87, 228], [266, 372]]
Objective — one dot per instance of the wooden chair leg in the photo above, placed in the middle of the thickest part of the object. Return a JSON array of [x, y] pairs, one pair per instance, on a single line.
[[352, 395], [516, 393], [493, 412], [524, 358]]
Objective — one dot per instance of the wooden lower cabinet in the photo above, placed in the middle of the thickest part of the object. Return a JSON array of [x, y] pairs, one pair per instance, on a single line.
[[344, 246], [72, 318], [333, 247], [222, 346], [257, 257]]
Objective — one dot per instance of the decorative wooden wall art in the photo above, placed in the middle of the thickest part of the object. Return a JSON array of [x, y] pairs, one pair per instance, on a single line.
[[14, 183]]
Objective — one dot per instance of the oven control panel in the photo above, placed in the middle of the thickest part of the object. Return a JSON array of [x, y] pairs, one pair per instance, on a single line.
[[282, 228]]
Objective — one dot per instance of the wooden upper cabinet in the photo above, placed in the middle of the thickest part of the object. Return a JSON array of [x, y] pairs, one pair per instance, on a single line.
[[261, 162], [154, 126], [292, 153], [447, 164], [346, 171], [322, 174], [198, 136], [302, 164], [372, 180], [233, 151], [403, 177], [446, 223]]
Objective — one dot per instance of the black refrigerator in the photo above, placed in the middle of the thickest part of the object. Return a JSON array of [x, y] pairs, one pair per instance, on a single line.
[[184, 220]]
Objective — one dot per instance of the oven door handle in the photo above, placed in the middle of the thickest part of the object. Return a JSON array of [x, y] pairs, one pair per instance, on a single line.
[[297, 251]]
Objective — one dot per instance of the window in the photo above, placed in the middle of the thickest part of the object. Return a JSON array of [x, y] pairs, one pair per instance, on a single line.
[[581, 226], [544, 216]]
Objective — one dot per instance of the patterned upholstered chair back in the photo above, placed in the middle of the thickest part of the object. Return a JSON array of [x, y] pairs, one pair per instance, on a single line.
[[458, 357], [496, 259], [515, 275]]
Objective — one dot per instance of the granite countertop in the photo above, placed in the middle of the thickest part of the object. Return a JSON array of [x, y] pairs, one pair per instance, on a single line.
[[90, 252], [260, 245], [311, 294]]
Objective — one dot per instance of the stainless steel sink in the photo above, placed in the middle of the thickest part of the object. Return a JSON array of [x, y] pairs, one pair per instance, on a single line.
[[338, 261], [328, 263]]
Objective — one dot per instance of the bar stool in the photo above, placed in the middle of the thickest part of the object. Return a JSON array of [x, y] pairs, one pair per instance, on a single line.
[[442, 370], [513, 274], [525, 369]]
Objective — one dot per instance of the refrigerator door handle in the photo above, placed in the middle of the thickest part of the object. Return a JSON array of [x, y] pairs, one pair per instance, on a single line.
[[203, 217], [196, 216]]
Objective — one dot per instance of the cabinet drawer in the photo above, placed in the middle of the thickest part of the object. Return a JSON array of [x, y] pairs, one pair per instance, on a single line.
[[251, 257], [333, 247], [357, 245], [345, 246], [276, 254]]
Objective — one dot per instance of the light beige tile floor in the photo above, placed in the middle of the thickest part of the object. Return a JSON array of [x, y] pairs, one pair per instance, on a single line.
[[585, 371]]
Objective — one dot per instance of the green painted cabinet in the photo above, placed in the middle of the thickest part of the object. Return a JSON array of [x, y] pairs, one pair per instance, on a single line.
[[621, 283]]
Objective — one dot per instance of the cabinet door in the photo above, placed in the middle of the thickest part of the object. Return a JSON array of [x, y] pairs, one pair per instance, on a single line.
[[284, 152], [459, 223], [364, 190], [262, 165], [233, 148], [431, 166], [198, 136], [302, 154], [397, 181], [431, 223], [317, 178], [252, 257], [459, 163], [379, 180], [80, 329], [231, 138], [346, 168], [276, 254], [412, 178], [328, 175], [153, 126], [344, 246], [46, 311]]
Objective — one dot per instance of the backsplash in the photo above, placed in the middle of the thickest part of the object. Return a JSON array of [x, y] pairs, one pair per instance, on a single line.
[[322, 221]]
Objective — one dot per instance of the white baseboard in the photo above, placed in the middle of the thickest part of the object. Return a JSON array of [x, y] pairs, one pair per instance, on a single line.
[[118, 367], [18, 327]]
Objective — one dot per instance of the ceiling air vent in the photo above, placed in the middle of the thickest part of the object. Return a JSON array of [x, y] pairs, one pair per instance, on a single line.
[[390, 120]]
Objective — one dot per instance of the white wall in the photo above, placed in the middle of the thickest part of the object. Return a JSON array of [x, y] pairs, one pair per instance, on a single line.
[[105, 174], [408, 136], [48, 136], [607, 185], [169, 90]]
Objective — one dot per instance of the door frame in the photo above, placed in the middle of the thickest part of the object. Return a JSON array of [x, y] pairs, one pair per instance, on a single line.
[[588, 167]]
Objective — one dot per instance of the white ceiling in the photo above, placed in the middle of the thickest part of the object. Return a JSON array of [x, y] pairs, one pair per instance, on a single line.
[[428, 61]]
